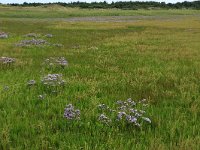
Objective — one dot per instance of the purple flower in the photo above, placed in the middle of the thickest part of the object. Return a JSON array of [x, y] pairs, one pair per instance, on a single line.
[[49, 35], [3, 35], [31, 82], [56, 61], [120, 115], [131, 119], [129, 100], [70, 113], [119, 102], [102, 106], [36, 42], [53, 80], [132, 110], [61, 61], [122, 107], [127, 112], [7, 60], [103, 118]]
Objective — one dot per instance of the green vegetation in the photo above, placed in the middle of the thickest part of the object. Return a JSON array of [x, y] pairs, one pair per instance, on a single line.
[[154, 58], [122, 5], [55, 11]]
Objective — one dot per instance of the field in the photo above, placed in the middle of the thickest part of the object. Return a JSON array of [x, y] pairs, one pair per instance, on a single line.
[[112, 55]]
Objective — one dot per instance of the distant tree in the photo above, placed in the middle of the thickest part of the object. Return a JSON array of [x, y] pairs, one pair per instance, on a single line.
[[121, 5]]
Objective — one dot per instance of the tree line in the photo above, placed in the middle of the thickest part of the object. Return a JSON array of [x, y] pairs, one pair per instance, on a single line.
[[120, 5]]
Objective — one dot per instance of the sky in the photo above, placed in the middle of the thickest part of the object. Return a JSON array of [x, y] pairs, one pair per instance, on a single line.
[[47, 1]]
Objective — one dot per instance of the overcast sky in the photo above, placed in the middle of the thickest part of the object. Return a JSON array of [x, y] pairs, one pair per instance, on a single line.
[[47, 1]]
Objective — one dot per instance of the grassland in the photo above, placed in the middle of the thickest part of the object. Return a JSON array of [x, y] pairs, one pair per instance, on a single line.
[[157, 59]]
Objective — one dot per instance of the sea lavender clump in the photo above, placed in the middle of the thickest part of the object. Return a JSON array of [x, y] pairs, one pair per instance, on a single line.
[[105, 114], [7, 60], [70, 113], [132, 112], [31, 82], [61, 61], [36, 42], [53, 80], [104, 119], [49, 35], [104, 107], [3, 35], [55, 62], [128, 111]]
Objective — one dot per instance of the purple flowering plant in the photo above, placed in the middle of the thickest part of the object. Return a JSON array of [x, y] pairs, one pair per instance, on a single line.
[[70, 113], [55, 62], [125, 112]]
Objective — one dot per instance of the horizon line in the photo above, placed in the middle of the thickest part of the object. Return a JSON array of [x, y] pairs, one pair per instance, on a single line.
[[99, 2]]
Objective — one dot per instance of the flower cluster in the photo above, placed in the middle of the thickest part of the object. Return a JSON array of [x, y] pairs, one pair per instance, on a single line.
[[104, 119], [31, 82], [49, 35], [7, 60], [34, 35], [55, 61], [70, 113], [3, 35], [127, 111], [36, 42], [53, 80]]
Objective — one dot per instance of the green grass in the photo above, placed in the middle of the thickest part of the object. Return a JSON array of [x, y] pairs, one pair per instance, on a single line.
[[154, 59], [64, 12]]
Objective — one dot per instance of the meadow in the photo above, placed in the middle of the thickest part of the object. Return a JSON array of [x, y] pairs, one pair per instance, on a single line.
[[156, 57]]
